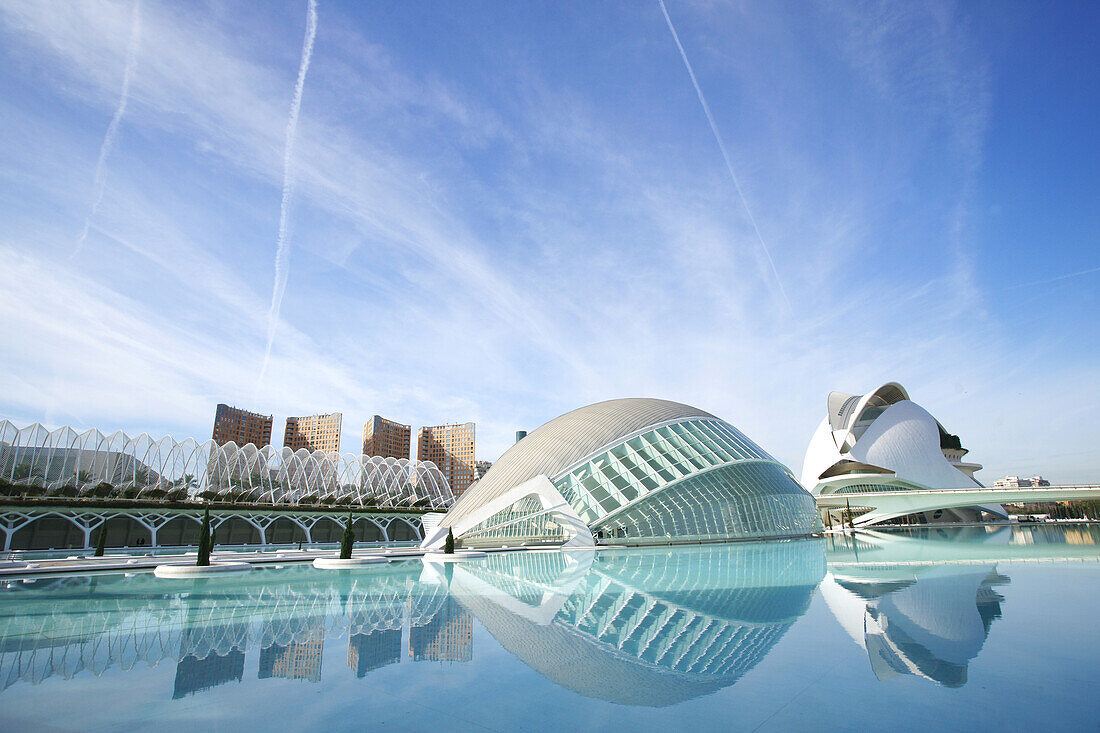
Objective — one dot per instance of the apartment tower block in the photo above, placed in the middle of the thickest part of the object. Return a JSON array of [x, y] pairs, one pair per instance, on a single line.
[[314, 433], [386, 438], [241, 427], [451, 447]]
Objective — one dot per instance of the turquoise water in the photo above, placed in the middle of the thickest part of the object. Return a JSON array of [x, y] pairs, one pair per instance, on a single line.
[[974, 628]]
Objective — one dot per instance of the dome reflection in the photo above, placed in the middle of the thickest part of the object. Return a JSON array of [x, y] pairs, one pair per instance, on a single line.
[[920, 602], [638, 627]]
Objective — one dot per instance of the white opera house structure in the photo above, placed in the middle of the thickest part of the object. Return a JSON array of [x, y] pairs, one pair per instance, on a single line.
[[629, 471], [884, 442]]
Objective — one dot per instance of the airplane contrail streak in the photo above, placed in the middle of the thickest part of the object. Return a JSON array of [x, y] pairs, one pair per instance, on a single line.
[[282, 247], [722, 148], [112, 129], [1067, 276]]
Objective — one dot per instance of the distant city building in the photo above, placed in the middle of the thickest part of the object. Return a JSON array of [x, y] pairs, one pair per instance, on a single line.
[[386, 438], [367, 652], [314, 433], [1015, 482], [480, 468], [451, 448], [241, 426], [448, 637], [520, 435]]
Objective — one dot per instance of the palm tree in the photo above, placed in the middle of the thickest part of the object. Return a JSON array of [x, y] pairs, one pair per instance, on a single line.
[[141, 476]]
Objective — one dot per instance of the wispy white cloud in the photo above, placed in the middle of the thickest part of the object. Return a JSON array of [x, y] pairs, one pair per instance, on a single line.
[[504, 256]]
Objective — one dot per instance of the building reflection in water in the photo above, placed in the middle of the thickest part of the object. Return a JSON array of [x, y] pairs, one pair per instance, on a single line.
[[373, 650], [195, 673], [643, 627], [62, 627], [448, 637], [298, 660], [922, 601], [632, 626]]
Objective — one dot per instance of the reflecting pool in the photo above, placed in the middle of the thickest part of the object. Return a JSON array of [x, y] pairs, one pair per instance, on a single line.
[[977, 627]]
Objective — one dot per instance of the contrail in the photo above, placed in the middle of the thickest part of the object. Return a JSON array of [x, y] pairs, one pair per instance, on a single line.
[[1055, 279], [722, 147], [282, 247], [112, 129]]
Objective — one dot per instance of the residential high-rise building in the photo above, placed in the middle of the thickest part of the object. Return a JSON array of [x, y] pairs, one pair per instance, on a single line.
[[386, 438], [241, 426], [314, 433], [451, 448]]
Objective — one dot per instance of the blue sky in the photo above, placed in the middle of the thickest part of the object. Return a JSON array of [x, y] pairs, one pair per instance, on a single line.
[[500, 212]]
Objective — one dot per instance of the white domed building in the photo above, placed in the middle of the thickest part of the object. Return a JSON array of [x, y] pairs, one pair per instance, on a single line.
[[629, 471], [883, 441]]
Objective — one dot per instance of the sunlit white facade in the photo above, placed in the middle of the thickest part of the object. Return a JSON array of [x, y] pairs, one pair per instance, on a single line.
[[882, 442], [635, 471], [64, 462]]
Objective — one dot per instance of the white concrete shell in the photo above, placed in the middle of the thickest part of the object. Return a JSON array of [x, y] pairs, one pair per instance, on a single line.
[[881, 442]]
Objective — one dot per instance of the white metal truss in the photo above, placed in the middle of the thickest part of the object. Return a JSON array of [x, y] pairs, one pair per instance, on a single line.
[[36, 461]]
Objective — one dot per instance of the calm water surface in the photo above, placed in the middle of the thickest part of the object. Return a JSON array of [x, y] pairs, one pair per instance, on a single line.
[[975, 628]]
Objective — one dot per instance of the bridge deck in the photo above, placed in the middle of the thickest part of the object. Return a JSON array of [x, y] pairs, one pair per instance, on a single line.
[[886, 505]]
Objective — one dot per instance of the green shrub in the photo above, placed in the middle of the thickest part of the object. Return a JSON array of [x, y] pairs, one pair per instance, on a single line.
[[347, 541], [205, 541]]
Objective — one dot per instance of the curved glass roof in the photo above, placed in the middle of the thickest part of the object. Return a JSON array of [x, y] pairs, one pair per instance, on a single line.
[[649, 461], [565, 440]]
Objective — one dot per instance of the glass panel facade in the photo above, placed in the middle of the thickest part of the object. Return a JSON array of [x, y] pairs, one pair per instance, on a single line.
[[871, 488], [699, 479], [524, 521], [740, 500], [647, 462]]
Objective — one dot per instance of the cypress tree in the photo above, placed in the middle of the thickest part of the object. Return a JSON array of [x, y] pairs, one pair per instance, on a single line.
[[204, 540], [347, 541], [449, 543], [101, 542]]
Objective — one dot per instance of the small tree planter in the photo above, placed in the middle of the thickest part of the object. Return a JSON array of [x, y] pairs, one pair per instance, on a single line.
[[343, 563], [177, 570]]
